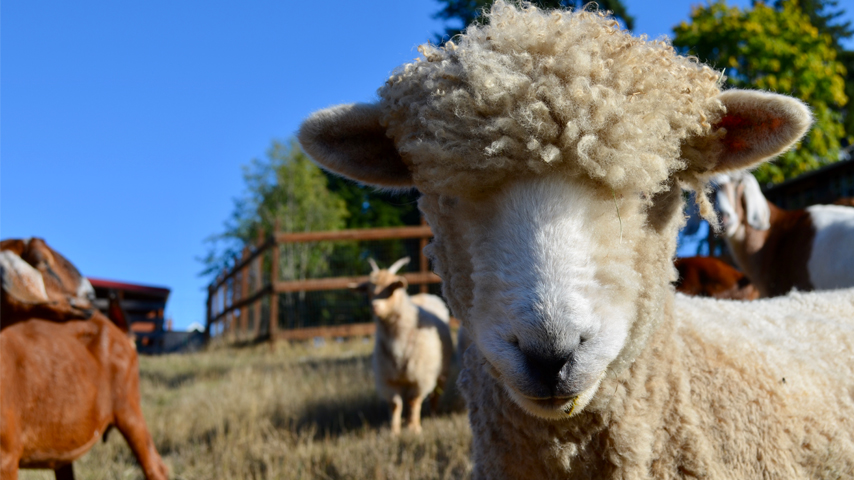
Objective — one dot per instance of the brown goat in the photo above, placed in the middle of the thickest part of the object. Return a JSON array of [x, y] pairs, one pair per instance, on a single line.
[[38, 282], [710, 277], [64, 385]]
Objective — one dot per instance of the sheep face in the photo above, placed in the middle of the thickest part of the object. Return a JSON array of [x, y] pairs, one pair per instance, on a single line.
[[554, 290]]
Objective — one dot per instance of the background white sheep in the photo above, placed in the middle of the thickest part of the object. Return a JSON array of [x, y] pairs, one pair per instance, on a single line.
[[413, 347], [550, 149]]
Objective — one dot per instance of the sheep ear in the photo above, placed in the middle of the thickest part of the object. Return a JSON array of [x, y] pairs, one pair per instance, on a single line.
[[350, 141], [759, 126]]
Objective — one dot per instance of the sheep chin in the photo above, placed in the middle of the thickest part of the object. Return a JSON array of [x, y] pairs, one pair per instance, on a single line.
[[572, 407]]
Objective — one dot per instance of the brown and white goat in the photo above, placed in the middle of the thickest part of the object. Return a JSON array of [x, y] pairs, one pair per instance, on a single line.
[[710, 277], [808, 249], [413, 347], [38, 282]]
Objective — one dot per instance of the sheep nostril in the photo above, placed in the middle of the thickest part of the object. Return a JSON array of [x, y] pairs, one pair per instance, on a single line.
[[548, 369]]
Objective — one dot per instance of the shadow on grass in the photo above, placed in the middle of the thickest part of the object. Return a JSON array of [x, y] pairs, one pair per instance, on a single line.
[[337, 416], [173, 381]]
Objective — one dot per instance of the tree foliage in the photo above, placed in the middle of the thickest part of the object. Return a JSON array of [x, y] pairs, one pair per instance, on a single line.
[[285, 188], [370, 207], [467, 11], [825, 15], [824, 18], [776, 49]]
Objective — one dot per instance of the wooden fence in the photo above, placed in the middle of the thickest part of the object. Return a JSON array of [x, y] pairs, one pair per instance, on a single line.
[[243, 301]]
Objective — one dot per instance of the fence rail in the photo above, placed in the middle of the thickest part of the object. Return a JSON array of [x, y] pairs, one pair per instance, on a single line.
[[246, 301]]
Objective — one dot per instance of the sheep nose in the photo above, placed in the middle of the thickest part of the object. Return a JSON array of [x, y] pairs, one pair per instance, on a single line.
[[549, 370]]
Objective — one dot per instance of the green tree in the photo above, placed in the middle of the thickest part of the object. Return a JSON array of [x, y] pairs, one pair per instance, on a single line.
[[288, 188], [776, 49], [825, 16], [468, 11], [370, 207]]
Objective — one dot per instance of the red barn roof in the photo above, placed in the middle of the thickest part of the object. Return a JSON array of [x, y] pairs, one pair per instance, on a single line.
[[130, 287]]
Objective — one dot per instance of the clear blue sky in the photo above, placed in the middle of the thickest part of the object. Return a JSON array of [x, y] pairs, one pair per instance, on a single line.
[[124, 124]]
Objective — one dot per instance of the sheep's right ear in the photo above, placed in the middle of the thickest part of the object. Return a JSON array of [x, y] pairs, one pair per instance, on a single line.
[[349, 140]]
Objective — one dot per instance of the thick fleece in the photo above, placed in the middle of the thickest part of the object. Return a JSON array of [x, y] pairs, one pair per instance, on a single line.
[[546, 92], [725, 389], [551, 149]]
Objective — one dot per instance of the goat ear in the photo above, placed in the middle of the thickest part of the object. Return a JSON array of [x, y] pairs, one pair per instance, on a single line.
[[20, 280], [759, 126], [755, 205], [358, 287], [350, 141], [399, 283]]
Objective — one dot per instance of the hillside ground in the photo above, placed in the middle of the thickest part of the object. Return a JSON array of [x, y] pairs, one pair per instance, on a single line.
[[300, 411]]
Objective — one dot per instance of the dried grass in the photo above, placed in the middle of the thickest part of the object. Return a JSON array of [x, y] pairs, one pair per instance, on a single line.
[[299, 412]]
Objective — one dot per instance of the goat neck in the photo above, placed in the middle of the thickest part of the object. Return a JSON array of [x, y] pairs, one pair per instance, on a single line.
[[759, 252]]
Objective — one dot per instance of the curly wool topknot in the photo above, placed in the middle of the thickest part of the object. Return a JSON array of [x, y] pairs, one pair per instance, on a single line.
[[535, 91]]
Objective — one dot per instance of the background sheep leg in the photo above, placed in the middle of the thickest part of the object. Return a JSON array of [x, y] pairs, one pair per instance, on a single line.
[[415, 414], [396, 413]]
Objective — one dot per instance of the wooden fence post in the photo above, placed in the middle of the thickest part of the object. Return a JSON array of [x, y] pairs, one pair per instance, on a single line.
[[259, 284], [235, 315], [244, 293], [274, 295], [207, 334], [226, 321], [424, 264]]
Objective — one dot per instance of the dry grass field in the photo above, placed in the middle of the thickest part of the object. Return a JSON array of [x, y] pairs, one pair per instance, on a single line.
[[301, 411]]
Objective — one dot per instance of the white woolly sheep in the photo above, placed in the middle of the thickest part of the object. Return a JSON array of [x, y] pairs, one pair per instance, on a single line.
[[550, 148], [817, 242], [413, 346]]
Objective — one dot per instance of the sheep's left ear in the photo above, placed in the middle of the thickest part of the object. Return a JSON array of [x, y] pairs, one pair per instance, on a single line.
[[759, 126], [350, 141]]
